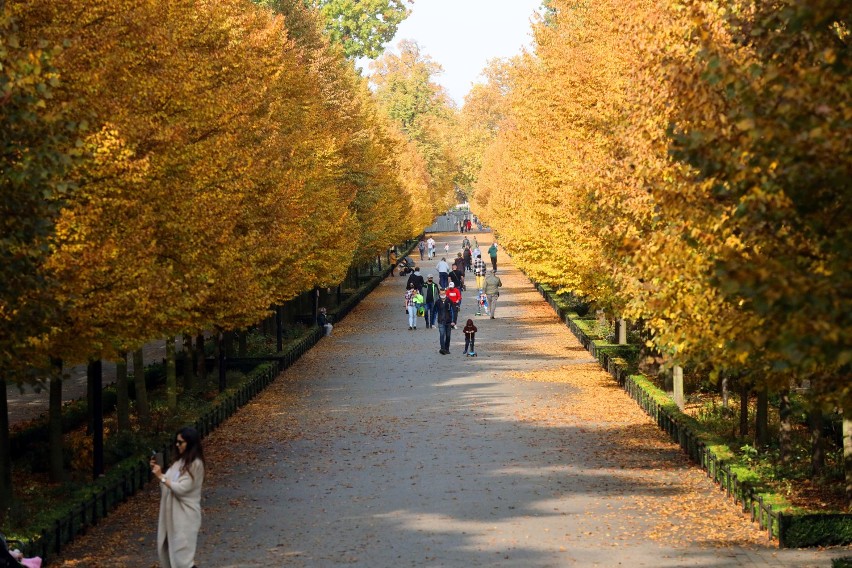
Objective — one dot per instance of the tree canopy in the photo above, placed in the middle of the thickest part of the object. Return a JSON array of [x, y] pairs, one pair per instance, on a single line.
[[685, 164]]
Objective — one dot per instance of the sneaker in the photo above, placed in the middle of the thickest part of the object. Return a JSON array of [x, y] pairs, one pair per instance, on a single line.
[[415, 327], [410, 328], [442, 352]]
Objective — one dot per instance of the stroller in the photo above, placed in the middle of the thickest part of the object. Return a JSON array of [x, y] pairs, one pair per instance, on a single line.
[[481, 303], [7, 560], [405, 266]]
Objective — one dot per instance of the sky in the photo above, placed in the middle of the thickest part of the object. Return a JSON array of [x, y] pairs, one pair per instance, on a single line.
[[462, 35]]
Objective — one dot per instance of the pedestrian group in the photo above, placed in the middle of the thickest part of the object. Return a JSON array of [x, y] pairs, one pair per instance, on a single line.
[[439, 303]]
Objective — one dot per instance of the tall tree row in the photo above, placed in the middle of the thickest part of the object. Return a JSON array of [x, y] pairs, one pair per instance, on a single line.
[[177, 166], [686, 164]]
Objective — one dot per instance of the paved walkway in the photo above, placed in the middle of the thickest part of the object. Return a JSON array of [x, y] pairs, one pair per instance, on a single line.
[[374, 450]]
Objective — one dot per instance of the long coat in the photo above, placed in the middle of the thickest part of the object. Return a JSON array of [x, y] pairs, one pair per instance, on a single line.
[[180, 516]]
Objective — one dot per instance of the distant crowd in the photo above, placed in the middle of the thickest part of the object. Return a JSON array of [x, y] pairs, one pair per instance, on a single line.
[[439, 303]]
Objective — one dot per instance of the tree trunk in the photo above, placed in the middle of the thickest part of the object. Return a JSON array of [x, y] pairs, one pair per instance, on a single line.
[[54, 421], [785, 433], [220, 360], [677, 385], [315, 305], [96, 378], [190, 383], [122, 403], [724, 388], [202, 362], [5, 455], [229, 341], [171, 375], [815, 421], [761, 419], [744, 394], [142, 408], [847, 456], [243, 343], [90, 402], [621, 331], [279, 329]]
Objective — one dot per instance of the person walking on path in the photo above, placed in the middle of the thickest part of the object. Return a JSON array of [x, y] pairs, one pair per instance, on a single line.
[[411, 306], [445, 322], [479, 271], [458, 262], [447, 249], [443, 272], [180, 502], [465, 242], [416, 279], [469, 338], [430, 296], [322, 321], [492, 290], [457, 277], [421, 247], [430, 245], [468, 258], [392, 260], [492, 252], [454, 296]]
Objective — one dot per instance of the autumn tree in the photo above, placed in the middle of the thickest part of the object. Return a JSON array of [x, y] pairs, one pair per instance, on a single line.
[[423, 111], [360, 28], [480, 119], [38, 150]]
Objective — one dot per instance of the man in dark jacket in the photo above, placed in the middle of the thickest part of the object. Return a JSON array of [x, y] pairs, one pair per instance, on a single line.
[[430, 296], [468, 258], [457, 278], [415, 279], [444, 308]]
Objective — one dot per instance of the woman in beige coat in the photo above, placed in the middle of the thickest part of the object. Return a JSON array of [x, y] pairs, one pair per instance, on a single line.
[[180, 502]]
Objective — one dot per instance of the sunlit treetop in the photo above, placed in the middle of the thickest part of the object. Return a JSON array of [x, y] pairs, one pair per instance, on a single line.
[[362, 27]]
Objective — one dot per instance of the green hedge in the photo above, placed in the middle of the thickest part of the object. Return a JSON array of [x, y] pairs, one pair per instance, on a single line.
[[798, 531]]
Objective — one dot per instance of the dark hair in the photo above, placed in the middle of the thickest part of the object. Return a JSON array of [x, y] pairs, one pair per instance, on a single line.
[[193, 450]]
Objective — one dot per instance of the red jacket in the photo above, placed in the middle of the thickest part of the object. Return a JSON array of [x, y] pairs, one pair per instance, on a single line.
[[454, 295]]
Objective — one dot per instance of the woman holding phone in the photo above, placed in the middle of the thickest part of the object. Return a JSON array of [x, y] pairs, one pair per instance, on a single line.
[[180, 502]]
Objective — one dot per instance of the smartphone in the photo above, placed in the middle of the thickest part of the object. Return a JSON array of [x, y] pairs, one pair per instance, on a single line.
[[157, 457]]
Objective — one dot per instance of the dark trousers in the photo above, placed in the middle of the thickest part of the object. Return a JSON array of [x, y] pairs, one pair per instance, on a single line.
[[444, 280], [456, 309], [494, 262], [444, 330], [468, 342]]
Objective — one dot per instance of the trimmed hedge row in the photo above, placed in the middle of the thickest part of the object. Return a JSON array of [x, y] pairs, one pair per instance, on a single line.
[[793, 530]]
